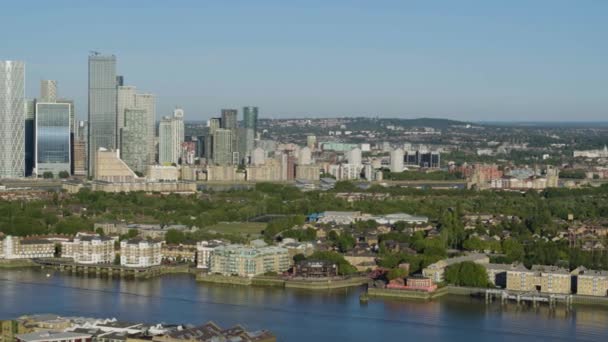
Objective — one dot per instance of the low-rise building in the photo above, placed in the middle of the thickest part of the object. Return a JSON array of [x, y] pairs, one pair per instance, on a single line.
[[246, 261], [53, 336], [89, 249], [26, 248], [315, 269], [436, 271], [540, 278], [179, 253], [140, 253], [592, 283]]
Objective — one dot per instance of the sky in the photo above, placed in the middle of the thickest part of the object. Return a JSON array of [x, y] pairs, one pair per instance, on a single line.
[[515, 60]]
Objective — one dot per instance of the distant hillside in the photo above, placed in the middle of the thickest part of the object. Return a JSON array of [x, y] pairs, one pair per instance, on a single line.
[[425, 122]]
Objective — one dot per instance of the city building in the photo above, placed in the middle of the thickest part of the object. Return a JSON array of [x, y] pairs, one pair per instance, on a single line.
[[134, 139], [308, 172], [52, 148], [140, 253], [397, 156], [26, 248], [203, 253], [179, 253], [315, 269], [48, 91], [89, 249], [246, 261], [540, 278], [54, 336], [210, 332], [222, 146], [102, 117], [592, 283], [436, 271], [110, 168], [12, 119], [171, 137], [162, 173]]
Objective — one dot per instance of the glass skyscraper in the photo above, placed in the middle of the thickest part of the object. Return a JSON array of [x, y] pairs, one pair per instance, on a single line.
[[52, 147], [250, 118], [102, 105], [134, 135], [12, 119]]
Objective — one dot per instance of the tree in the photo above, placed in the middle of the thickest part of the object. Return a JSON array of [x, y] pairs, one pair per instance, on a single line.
[[64, 174], [174, 237], [132, 233], [299, 258], [117, 259], [344, 267], [466, 273], [47, 175], [396, 273]]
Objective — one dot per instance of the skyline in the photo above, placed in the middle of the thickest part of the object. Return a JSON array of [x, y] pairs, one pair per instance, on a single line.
[[469, 61]]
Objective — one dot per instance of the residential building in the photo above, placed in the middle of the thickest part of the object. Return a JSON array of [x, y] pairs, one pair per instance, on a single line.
[[140, 253], [222, 146], [162, 173], [592, 283], [26, 248], [102, 117], [12, 119], [134, 139], [308, 172], [179, 253], [210, 332], [52, 148], [171, 137], [540, 278], [245, 261], [203, 252], [315, 269], [53, 336], [89, 249]]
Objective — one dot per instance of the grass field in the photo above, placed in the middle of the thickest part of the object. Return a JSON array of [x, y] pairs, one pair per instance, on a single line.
[[244, 228]]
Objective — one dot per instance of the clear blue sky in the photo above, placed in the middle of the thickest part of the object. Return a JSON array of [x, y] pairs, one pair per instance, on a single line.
[[472, 60]]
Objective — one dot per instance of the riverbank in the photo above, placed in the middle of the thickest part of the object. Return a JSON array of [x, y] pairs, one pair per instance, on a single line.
[[270, 281], [17, 263]]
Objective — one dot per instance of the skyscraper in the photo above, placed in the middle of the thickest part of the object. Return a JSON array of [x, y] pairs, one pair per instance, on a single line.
[[128, 98], [12, 119], [102, 105], [171, 137], [48, 91], [133, 137], [30, 117], [230, 121], [222, 146], [250, 118], [53, 142]]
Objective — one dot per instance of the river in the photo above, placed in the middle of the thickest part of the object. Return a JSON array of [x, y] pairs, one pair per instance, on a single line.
[[293, 315]]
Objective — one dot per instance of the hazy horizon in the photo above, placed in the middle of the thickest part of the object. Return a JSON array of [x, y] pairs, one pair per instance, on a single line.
[[466, 60]]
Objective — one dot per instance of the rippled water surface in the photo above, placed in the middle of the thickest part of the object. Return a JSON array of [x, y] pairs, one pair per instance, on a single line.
[[291, 314]]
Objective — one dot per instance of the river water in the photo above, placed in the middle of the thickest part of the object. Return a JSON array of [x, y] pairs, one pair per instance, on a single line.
[[294, 315]]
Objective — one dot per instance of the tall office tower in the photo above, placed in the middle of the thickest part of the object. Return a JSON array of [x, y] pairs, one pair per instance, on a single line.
[[12, 119], [102, 106], [53, 141], [125, 99], [230, 121], [213, 125], [354, 156], [148, 103], [397, 160], [250, 118], [171, 137], [246, 143], [128, 98], [133, 137], [222, 146], [30, 116], [48, 91], [79, 156], [311, 142]]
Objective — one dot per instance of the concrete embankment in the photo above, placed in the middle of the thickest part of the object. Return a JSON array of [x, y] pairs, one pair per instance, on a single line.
[[406, 294], [17, 263], [270, 281]]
